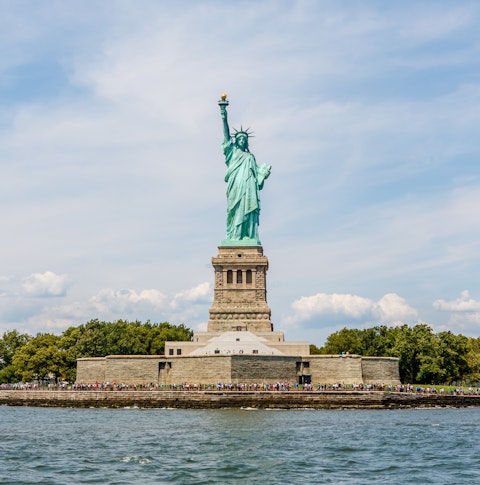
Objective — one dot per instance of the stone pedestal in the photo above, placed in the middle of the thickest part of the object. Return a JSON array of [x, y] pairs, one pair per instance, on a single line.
[[240, 292]]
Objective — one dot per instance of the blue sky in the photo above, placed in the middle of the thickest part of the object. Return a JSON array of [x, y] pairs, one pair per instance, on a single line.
[[111, 173]]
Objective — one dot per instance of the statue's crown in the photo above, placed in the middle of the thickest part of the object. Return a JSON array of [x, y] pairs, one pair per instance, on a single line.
[[241, 131]]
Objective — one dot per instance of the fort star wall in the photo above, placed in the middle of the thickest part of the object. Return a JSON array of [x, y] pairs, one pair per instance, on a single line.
[[317, 369]]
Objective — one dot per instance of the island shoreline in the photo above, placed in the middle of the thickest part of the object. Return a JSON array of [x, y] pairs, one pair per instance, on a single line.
[[213, 399]]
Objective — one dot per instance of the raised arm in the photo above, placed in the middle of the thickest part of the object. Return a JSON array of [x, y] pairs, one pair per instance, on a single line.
[[226, 129], [223, 103]]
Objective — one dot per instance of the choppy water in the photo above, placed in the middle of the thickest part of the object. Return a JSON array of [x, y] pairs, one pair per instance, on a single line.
[[171, 446]]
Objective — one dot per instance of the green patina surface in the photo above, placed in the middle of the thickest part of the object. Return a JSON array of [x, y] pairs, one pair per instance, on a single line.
[[244, 178]]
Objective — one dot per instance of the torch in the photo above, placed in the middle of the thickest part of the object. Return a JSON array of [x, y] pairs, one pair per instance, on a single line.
[[223, 103]]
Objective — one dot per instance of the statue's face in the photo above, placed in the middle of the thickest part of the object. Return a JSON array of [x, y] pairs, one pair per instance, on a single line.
[[242, 142]]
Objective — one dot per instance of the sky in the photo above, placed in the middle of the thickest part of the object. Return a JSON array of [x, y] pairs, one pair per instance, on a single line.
[[112, 192]]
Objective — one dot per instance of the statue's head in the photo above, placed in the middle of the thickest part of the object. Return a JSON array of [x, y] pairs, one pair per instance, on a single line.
[[241, 138]]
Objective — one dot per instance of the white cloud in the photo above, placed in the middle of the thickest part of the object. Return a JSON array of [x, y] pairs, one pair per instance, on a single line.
[[110, 304], [465, 303], [350, 305], [46, 284], [201, 293], [467, 321], [464, 313], [109, 301], [20, 311], [390, 308]]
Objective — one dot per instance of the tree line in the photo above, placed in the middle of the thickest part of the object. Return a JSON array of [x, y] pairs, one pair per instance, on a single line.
[[46, 356], [424, 357]]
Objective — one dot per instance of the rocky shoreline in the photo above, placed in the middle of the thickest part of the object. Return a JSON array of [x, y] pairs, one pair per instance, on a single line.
[[233, 399]]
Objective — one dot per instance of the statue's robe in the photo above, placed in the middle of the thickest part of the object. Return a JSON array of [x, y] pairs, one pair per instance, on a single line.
[[243, 184]]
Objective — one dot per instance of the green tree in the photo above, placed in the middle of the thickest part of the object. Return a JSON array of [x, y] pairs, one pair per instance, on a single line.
[[451, 351], [314, 350], [41, 358], [98, 339], [379, 340], [440, 357], [424, 357], [88, 340], [345, 340], [412, 347], [162, 332], [9, 375], [472, 359], [9, 344]]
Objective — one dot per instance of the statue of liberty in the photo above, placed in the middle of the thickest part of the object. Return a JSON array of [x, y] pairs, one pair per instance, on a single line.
[[244, 181]]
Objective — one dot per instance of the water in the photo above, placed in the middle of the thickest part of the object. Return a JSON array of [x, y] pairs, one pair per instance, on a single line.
[[172, 446]]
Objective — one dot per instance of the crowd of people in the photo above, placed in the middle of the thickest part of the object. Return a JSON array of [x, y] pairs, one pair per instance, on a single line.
[[221, 386]]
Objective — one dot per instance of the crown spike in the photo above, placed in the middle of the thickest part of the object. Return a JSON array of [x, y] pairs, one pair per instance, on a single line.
[[246, 132]]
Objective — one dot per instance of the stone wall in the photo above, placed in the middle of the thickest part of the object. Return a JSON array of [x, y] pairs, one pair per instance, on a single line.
[[318, 369], [328, 369], [196, 370], [380, 370], [252, 369], [91, 369], [135, 369]]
